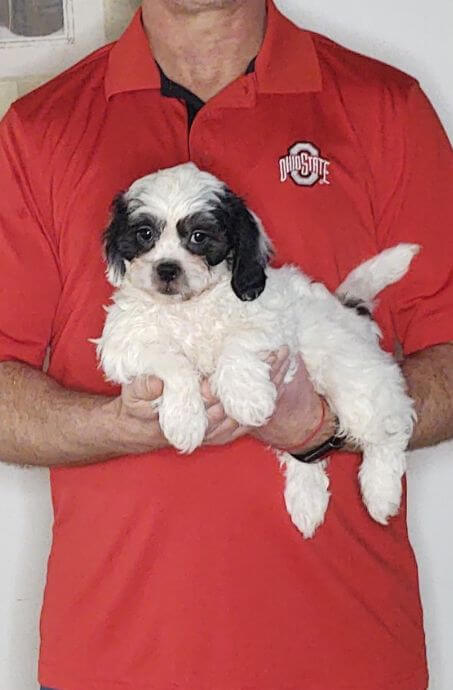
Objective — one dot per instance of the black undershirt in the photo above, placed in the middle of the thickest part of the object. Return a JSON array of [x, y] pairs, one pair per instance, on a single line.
[[194, 104]]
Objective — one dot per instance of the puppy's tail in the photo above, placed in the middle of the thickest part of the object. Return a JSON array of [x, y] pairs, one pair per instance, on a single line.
[[362, 285]]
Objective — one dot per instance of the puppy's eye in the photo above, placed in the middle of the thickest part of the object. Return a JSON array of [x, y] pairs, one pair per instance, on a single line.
[[198, 237], [144, 234]]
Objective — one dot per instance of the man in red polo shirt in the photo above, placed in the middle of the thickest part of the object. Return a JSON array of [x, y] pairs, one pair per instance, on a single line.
[[174, 572]]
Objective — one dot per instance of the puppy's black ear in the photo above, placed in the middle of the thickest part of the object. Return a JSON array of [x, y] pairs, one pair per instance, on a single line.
[[112, 237], [251, 249]]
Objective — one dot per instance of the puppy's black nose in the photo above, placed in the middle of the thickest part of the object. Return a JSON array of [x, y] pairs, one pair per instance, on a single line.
[[168, 271]]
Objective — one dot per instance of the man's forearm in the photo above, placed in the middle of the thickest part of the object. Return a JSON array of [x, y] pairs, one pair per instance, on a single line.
[[42, 423], [429, 378]]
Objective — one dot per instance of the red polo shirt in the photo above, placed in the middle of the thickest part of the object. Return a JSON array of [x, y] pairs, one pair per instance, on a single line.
[[171, 572]]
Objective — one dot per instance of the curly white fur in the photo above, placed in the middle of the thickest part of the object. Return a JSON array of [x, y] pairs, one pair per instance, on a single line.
[[214, 334]]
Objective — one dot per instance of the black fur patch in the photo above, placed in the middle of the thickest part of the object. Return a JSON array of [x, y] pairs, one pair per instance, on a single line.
[[358, 305], [215, 244], [249, 253], [122, 238]]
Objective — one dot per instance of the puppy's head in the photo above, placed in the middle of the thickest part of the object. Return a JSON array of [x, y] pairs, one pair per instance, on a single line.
[[179, 231]]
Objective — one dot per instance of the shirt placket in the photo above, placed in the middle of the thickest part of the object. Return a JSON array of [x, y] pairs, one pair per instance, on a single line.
[[206, 138]]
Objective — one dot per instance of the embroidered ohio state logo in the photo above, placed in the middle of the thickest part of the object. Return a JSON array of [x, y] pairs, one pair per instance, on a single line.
[[304, 165]]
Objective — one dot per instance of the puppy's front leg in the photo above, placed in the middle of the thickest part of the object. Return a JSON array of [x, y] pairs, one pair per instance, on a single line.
[[182, 413], [242, 382]]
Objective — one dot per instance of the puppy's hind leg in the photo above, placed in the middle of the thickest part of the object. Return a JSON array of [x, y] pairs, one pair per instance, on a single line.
[[376, 414], [380, 476], [383, 435], [365, 388], [306, 493]]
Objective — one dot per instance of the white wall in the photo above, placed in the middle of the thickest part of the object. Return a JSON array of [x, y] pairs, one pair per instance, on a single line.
[[398, 32]]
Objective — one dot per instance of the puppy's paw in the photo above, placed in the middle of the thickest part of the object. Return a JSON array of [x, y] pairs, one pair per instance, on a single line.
[[183, 425], [306, 494], [246, 392], [380, 484], [381, 494], [254, 408]]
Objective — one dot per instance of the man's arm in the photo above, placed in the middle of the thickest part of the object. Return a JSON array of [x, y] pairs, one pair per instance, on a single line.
[[429, 377], [42, 423]]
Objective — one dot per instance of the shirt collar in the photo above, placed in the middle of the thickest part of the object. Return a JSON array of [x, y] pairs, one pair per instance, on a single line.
[[131, 65], [286, 63]]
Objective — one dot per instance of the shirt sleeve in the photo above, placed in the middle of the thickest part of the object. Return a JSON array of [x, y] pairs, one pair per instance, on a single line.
[[29, 275], [419, 208]]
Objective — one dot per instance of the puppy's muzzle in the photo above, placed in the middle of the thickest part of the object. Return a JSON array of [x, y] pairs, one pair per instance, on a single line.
[[168, 271]]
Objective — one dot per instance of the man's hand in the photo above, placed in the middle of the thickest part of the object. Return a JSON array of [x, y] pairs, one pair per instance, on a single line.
[[136, 417], [223, 429], [298, 414]]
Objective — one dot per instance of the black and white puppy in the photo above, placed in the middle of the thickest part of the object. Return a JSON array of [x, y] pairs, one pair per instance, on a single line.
[[195, 298]]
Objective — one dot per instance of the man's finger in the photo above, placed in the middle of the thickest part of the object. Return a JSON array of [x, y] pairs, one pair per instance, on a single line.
[[279, 377], [277, 359], [216, 415], [223, 430], [207, 394], [282, 354], [146, 388]]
